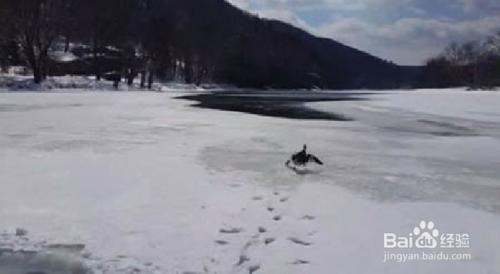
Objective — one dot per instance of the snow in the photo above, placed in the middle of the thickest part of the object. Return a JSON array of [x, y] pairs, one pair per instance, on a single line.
[[475, 105], [24, 83], [63, 56], [142, 182], [17, 83]]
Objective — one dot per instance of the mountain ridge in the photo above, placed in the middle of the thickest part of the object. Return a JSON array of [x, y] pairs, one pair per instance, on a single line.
[[328, 63], [195, 41]]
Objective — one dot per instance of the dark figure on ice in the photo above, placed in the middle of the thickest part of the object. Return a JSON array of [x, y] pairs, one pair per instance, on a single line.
[[302, 158]]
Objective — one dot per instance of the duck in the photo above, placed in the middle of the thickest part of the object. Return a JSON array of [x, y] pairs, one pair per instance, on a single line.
[[303, 158]]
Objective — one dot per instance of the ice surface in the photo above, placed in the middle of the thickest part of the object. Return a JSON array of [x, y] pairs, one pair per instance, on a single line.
[[145, 183]]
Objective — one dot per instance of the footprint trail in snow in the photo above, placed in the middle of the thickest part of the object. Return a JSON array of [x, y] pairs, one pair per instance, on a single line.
[[260, 239]]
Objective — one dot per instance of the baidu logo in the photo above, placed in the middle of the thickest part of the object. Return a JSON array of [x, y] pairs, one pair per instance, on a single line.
[[426, 243], [427, 235]]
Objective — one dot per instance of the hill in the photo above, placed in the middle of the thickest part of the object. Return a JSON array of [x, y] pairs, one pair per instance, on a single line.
[[207, 41]]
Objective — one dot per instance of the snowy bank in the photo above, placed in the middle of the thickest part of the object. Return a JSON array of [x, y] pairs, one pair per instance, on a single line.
[[18, 83]]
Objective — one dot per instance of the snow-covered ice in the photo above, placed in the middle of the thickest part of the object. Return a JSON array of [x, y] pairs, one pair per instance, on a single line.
[[142, 182]]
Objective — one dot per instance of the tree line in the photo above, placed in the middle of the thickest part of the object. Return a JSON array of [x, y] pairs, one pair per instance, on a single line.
[[208, 41], [474, 64], [111, 37]]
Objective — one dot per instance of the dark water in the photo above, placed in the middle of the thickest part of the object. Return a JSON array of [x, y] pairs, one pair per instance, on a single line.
[[274, 104]]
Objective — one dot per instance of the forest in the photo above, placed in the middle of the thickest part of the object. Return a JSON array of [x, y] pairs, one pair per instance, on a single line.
[[193, 41], [473, 64]]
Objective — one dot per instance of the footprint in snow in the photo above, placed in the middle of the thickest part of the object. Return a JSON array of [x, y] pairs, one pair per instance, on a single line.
[[299, 241], [253, 268], [221, 242], [308, 217], [268, 241], [300, 262], [243, 259], [230, 230]]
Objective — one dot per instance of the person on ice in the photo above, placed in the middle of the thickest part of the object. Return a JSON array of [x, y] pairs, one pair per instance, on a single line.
[[302, 158]]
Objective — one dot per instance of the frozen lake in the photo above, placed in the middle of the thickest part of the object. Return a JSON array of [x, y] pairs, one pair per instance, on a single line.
[[275, 104], [139, 181]]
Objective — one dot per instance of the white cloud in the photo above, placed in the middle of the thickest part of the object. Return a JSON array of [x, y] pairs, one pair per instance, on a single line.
[[321, 4], [276, 9], [285, 16], [418, 29], [408, 40], [242, 4], [480, 5]]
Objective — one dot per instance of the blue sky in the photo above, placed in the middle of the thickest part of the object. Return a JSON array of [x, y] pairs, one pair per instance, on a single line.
[[403, 31]]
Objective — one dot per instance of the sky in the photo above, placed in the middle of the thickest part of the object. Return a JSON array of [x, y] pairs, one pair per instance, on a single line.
[[407, 32]]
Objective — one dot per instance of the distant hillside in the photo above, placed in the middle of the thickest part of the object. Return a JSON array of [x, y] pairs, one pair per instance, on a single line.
[[202, 41], [254, 52]]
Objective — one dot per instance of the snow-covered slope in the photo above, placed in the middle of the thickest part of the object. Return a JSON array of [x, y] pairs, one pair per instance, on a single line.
[[141, 182]]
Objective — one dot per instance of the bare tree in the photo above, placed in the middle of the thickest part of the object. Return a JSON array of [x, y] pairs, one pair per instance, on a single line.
[[36, 24], [474, 64]]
